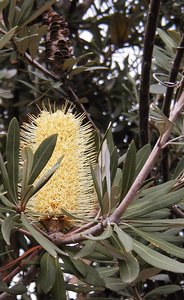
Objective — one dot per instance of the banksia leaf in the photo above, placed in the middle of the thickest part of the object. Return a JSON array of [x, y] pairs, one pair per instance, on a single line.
[[71, 186]]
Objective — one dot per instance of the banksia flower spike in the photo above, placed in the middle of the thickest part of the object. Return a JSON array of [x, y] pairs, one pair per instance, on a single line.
[[71, 187]]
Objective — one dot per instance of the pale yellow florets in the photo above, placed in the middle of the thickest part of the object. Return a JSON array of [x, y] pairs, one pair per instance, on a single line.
[[71, 187]]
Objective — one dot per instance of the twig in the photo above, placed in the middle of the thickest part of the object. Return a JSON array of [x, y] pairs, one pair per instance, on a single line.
[[27, 279], [168, 98], [173, 76], [39, 66], [76, 101], [146, 69], [115, 217]]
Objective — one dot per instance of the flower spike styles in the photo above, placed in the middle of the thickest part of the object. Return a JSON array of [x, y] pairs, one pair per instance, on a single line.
[[71, 187]]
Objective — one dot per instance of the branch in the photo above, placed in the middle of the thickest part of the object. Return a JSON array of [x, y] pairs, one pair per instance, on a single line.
[[168, 99], [27, 279], [117, 214], [173, 76], [39, 66], [76, 101], [146, 69]]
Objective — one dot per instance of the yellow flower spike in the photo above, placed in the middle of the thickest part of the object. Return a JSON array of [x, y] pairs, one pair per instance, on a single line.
[[71, 186]]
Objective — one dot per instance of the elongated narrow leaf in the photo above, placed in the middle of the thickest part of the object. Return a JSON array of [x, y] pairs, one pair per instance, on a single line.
[[105, 235], [3, 4], [47, 275], [107, 271], [160, 243], [27, 156], [88, 248], [7, 37], [5, 180], [43, 180], [43, 241], [17, 289], [6, 228], [158, 260], [141, 157], [179, 168], [106, 164], [114, 163], [163, 290], [12, 156], [129, 268], [6, 202], [59, 288], [124, 238], [154, 204], [97, 180], [115, 284], [11, 12], [41, 156], [28, 192], [39, 11], [26, 8], [128, 169]]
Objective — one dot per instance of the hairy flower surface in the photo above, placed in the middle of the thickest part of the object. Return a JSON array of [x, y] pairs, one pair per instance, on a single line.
[[71, 186]]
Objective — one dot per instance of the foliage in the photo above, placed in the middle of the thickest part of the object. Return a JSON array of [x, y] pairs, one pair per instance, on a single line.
[[133, 247]]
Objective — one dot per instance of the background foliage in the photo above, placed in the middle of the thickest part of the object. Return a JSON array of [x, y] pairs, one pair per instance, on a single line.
[[98, 67]]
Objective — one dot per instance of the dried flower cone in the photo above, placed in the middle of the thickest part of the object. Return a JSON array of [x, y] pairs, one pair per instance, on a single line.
[[71, 187], [57, 41]]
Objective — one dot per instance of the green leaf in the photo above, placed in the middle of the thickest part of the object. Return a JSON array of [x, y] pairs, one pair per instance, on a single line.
[[59, 288], [179, 168], [7, 37], [45, 178], [26, 8], [27, 156], [3, 4], [17, 289], [11, 12], [43, 241], [115, 284], [129, 268], [12, 156], [68, 64], [124, 238], [163, 290], [128, 169], [42, 156], [105, 157], [6, 202], [47, 275], [107, 271], [97, 180], [158, 260], [154, 204], [39, 11], [6, 227], [141, 157], [160, 243], [5, 179], [105, 235], [88, 248], [113, 163], [96, 68], [3, 286]]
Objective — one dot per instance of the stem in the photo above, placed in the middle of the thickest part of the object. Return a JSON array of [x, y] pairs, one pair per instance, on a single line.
[[39, 67], [146, 69], [148, 165], [173, 76], [168, 98], [115, 217]]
